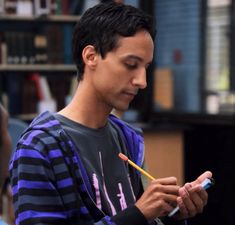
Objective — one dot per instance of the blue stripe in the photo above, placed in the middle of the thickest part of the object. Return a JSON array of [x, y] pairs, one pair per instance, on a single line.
[[32, 185], [46, 200], [60, 168], [31, 169], [65, 183]]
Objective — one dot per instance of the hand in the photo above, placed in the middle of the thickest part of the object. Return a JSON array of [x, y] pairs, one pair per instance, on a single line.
[[159, 198], [192, 197]]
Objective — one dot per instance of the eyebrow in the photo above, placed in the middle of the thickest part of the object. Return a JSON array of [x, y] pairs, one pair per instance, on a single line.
[[134, 57], [137, 58]]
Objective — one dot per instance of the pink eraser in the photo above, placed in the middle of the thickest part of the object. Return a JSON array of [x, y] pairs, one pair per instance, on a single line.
[[123, 157]]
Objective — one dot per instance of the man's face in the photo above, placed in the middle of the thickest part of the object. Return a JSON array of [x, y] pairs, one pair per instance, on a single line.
[[121, 74]]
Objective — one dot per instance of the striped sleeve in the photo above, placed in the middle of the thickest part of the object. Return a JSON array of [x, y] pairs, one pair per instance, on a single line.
[[35, 195]]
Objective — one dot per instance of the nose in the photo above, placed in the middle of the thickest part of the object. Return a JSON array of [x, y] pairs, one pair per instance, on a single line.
[[139, 80]]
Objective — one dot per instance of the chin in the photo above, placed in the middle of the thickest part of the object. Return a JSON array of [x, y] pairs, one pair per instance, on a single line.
[[121, 108]]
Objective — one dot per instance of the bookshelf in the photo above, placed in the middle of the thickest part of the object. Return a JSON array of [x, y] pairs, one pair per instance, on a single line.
[[36, 43], [36, 19], [38, 67]]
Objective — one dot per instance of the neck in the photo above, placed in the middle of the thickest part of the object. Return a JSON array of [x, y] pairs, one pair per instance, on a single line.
[[86, 109]]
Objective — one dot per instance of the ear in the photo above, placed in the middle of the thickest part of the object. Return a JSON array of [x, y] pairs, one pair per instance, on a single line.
[[89, 56]]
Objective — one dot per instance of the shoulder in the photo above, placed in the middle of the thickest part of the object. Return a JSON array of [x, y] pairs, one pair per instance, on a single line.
[[133, 138], [124, 126], [44, 130]]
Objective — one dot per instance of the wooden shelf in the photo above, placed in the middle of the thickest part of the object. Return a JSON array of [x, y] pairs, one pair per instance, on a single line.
[[46, 18], [37, 67]]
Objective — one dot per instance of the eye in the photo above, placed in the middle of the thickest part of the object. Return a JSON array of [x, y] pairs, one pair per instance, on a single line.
[[131, 66]]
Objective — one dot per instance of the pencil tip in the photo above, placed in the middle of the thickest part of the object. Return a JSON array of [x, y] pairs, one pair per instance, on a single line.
[[123, 157]]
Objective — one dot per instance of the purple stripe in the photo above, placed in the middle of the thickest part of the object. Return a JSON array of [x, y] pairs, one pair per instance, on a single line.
[[83, 187], [84, 210], [48, 124], [11, 165], [28, 140], [29, 153], [55, 153], [108, 220], [34, 214], [14, 189], [67, 160], [65, 183]]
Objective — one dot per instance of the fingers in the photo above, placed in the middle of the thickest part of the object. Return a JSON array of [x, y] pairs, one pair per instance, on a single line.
[[162, 195], [192, 200], [159, 198], [165, 185], [166, 181], [201, 178]]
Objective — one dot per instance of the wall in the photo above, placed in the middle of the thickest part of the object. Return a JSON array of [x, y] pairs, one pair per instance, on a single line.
[[178, 47]]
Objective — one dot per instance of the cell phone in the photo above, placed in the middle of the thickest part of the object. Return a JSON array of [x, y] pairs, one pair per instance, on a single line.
[[207, 183]]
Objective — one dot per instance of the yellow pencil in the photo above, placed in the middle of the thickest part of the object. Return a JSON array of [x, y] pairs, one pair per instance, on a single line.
[[125, 158]]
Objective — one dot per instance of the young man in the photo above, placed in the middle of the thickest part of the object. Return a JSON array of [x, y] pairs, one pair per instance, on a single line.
[[66, 168]]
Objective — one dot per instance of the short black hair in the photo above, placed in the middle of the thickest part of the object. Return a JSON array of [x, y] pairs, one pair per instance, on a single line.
[[103, 24]]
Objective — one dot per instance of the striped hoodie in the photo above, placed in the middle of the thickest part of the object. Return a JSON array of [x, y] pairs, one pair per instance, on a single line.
[[49, 181]]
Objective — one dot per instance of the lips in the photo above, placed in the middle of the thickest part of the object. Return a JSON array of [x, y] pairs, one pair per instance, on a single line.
[[130, 95], [134, 92]]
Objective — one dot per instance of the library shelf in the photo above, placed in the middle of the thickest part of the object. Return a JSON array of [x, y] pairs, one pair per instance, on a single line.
[[46, 18], [37, 67]]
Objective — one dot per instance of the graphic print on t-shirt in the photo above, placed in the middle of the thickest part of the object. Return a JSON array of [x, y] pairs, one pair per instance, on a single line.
[[114, 212]]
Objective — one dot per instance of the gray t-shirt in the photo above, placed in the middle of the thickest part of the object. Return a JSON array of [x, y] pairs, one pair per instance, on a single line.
[[108, 174]]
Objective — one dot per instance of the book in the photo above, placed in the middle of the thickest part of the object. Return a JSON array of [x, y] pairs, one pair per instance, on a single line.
[[55, 47], [10, 52], [29, 96], [13, 84], [76, 7], [10, 6], [47, 102], [40, 48], [60, 87], [163, 88], [24, 8], [30, 50], [67, 44], [42, 7]]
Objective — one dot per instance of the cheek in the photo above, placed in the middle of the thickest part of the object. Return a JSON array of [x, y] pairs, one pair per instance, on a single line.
[[111, 74]]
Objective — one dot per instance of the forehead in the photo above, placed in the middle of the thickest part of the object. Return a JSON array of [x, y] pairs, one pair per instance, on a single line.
[[141, 44]]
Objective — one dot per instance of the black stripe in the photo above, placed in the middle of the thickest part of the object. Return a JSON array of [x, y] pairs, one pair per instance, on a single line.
[[45, 220], [32, 177], [41, 208], [38, 192], [30, 161], [57, 161]]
